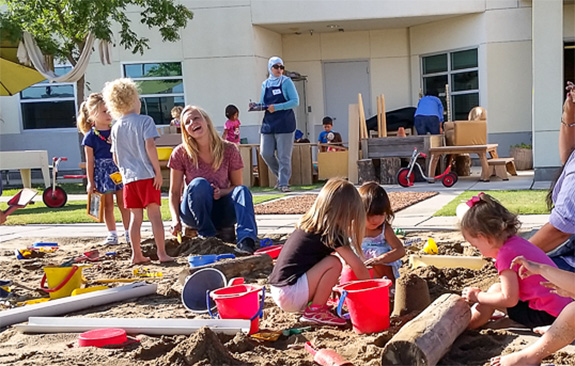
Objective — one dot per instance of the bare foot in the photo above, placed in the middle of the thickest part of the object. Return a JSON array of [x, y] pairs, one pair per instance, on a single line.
[[541, 330], [517, 358], [140, 260], [165, 258]]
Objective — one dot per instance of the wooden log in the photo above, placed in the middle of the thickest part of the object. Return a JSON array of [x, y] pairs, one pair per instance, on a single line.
[[366, 170], [463, 165], [238, 267], [427, 338], [388, 168]]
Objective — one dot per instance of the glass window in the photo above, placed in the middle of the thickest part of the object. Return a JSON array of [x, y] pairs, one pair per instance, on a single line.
[[49, 105], [161, 88], [458, 69]]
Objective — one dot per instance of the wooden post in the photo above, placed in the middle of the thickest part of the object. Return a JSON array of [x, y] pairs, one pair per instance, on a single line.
[[295, 179], [306, 164], [353, 130], [263, 171], [378, 101], [388, 168], [247, 171], [427, 338], [366, 171], [383, 128], [362, 126]]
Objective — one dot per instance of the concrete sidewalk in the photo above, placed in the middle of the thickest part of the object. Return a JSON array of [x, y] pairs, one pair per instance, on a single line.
[[414, 218]]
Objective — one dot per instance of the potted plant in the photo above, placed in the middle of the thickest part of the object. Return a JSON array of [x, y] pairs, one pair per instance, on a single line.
[[523, 156]]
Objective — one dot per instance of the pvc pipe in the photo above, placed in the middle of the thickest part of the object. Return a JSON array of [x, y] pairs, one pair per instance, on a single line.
[[446, 261], [74, 303], [134, 325]]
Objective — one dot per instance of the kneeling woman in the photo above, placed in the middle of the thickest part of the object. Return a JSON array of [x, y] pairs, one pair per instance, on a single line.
[[214, 197]]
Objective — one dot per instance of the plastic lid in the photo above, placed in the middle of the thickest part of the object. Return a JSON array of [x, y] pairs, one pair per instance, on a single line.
[[102, 337]]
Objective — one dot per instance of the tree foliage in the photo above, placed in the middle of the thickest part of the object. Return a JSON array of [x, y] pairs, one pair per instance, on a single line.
[[61, 26]]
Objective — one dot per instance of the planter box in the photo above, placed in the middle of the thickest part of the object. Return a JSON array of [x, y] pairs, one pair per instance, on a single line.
[[523, 158]]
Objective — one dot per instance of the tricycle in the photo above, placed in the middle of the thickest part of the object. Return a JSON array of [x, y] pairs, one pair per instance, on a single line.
[[406, 176]]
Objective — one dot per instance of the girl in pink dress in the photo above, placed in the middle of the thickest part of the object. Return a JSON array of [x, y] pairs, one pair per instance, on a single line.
[[232, 126]]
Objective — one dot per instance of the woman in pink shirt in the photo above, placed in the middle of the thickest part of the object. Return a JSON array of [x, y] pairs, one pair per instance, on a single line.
[[214, 197]]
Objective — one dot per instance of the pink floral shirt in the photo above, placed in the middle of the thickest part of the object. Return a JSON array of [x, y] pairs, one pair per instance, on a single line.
[[233, 131], [179, 160]]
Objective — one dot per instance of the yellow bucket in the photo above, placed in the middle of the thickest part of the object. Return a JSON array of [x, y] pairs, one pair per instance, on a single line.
[[61, 280]]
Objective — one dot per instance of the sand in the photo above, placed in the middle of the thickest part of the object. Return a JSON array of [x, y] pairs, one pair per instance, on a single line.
[[208, 348]]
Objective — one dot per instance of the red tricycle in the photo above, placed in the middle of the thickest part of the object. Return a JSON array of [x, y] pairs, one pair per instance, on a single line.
[[406, 176], [55, 197]]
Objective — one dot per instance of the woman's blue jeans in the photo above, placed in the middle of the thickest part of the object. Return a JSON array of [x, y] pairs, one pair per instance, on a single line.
[[198, 209]]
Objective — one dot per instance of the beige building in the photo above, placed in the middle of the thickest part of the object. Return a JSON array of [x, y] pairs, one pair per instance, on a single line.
[[510, 56]]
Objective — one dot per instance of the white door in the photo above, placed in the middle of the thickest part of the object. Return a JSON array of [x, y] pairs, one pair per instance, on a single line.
[[343, 81]]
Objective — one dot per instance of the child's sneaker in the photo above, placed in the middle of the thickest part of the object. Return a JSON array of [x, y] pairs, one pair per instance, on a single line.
[[321, 315], [111, 239]]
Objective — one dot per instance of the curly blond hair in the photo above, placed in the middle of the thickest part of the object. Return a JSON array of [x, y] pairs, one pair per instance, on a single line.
[[88, 108], [120, 96]]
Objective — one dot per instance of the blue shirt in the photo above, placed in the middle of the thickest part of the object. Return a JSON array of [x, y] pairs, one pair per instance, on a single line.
[[430, 106], [101, 147], [288, 89], [323, 136]]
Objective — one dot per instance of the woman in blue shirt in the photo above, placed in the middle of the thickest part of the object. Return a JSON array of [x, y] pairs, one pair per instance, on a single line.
[[277, 133]]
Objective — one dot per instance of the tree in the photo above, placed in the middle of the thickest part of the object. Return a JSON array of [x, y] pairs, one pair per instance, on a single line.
[[60, 27]]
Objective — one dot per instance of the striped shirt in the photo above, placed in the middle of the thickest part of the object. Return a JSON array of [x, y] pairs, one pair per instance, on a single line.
[[563, 214]]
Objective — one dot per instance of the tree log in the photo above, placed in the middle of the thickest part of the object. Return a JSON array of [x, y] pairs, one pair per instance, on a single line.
[[427, 338], [463, 165], [366, 170], [238, 267], [388, 168]]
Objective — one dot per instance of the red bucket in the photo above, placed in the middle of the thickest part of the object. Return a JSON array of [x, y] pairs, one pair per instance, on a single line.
[[368, 304], [347, 275], [240, 302]]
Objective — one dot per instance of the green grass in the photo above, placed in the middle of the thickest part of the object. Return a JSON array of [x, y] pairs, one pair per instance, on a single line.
[[518, 202], [75, 211]]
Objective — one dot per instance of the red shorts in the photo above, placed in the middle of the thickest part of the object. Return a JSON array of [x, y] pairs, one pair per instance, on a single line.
[[141, 193]]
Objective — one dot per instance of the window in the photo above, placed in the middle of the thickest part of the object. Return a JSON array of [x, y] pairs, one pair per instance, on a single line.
[[49, 105], [458, 69], [161, 88]]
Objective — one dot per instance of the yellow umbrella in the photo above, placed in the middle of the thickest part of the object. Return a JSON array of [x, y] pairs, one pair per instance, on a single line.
[[14, 76]]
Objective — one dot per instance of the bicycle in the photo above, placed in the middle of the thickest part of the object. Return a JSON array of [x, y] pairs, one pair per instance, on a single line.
[[406, 176]]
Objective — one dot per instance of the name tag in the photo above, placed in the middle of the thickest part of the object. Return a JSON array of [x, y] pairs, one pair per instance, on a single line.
[[276, 91]]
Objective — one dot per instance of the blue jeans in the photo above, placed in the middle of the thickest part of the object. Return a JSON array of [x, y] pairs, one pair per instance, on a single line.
[[280, 165], [564, 255], [198, 209], [425, 124]]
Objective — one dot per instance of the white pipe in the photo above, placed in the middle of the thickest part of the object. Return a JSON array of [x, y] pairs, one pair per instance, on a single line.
[[134, 325], [74, 303], [446, 261]]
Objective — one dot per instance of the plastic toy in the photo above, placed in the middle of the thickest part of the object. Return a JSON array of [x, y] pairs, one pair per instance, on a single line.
[[406, 176]]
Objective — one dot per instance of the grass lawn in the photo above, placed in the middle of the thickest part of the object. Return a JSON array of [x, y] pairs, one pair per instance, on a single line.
[[518, 202], [75, 211]]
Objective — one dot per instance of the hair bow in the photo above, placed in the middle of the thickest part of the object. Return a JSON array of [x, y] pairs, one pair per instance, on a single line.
[[474, 200]]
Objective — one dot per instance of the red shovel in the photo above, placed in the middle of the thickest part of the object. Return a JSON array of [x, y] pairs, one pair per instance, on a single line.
[[326, 357]]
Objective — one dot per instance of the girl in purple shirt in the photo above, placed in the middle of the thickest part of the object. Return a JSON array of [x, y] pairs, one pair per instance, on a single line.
[[492, 229]]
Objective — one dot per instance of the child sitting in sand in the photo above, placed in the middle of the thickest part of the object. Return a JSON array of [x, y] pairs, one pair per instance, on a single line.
[[306, 270], [134, 151], [562, 331], [492, 229], [381, 247]]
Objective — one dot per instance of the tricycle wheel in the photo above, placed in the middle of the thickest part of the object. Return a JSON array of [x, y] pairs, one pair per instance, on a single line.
[[54, 198], [449, 180], [403, 179]]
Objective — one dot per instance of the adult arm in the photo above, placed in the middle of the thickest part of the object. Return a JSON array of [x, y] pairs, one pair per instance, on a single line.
[[174, 198], [290, 93], [567, 133], [440, 108], [564, 280], [153, 156], [549, 237], [89, 152]]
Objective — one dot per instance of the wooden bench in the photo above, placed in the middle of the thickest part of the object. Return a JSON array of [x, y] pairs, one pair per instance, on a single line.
[[500, 166], [480, 150]]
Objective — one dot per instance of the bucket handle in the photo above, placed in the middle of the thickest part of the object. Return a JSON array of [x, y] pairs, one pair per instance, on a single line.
[[340, 304], [259, 313], [62, 284]]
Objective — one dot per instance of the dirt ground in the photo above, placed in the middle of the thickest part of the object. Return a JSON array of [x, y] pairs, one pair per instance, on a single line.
[[208, 348]]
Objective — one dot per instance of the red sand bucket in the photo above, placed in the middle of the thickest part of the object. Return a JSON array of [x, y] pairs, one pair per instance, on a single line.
[[368, 304], [239, 302], [347, 275]]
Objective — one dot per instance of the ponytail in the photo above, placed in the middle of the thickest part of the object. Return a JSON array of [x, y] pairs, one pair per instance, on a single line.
[[88, 108]]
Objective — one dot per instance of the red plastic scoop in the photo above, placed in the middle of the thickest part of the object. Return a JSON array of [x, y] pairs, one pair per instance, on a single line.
[[102, 337], [326, 357]]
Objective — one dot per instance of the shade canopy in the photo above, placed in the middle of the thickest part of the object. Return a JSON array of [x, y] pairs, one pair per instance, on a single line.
[[14, 77]]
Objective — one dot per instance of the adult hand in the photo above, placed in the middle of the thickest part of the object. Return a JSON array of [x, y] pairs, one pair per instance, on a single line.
[[556, 289], [569, 105], [526, 267], [217, 192], [271, 108], [176, 228], [470, 294], [158, 181]]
